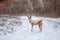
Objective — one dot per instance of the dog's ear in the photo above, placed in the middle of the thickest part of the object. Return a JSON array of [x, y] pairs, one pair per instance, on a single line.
[[29, 17]]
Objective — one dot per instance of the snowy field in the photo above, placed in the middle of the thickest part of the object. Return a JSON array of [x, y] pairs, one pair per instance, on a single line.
[[19, 28]]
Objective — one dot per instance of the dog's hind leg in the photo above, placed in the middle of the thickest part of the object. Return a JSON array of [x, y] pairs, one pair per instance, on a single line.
[[40, 26]]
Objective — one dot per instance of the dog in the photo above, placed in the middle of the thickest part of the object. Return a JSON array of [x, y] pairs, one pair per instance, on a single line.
[[35, 22]]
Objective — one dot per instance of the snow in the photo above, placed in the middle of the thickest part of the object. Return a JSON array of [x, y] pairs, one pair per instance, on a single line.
[[22, 29]]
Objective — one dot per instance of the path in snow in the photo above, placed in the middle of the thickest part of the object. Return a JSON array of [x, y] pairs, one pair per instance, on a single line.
[[50, 31]]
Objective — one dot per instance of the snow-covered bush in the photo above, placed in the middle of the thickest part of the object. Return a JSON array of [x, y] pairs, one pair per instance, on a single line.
[[8, 25]]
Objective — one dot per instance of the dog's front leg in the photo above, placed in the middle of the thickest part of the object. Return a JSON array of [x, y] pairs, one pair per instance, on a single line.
[[32, 28]]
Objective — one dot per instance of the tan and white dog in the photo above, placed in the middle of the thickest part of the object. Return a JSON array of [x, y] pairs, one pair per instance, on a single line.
[[35, 22]]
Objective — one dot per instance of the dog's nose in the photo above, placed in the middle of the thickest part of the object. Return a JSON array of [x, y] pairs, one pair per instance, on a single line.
[[29, 21]]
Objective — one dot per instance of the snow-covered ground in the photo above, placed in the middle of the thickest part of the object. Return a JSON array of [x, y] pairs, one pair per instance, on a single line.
[[19, 28]]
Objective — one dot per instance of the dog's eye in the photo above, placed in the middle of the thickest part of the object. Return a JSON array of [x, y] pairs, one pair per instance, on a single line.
[[1, 0]]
